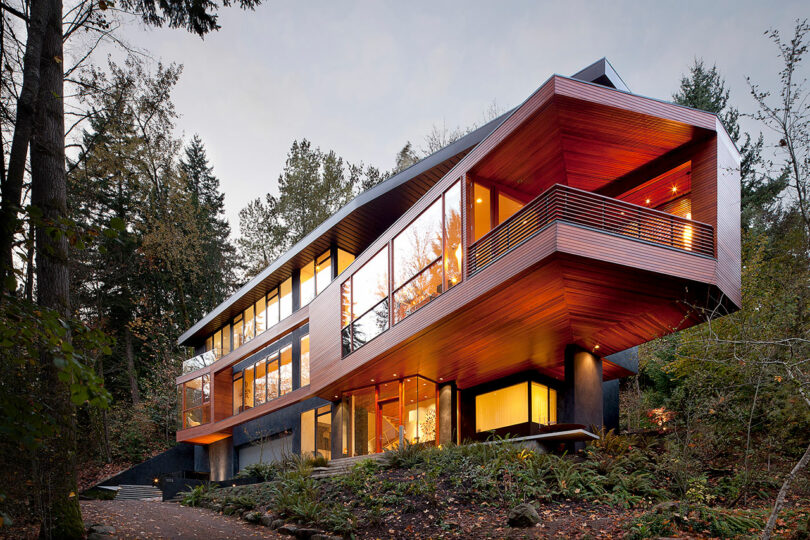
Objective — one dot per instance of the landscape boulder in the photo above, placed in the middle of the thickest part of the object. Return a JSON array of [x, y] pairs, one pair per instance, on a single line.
[[252, 517], [523, 515]]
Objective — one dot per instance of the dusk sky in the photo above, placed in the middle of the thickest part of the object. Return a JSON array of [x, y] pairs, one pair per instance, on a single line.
[[362, 78]]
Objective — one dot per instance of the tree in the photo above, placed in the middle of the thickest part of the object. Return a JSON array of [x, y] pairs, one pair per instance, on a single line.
[[262, 237], [704, 88], [405, 158]]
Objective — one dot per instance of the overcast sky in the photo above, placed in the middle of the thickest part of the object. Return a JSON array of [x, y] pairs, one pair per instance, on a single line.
[[362, 78]]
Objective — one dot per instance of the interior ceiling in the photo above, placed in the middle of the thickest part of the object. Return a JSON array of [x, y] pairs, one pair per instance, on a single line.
[[573, 301], [581, 144]]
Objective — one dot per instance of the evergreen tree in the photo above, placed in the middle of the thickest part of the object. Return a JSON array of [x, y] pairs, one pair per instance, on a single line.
[[405, 158], [262, 237], [704, 88], [208, 205]]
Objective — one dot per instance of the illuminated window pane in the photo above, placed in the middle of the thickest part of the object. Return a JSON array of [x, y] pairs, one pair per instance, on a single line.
[[344, 260], [238, 331], [272, 309], [272, 377], [481, 211], [370, 283], [194, 393], [226, 339], [418, 292], [237, 396], [418, 245], [218, 344], [307, 283], [261, 321], [308, 433], [285, 371], [260, 382], [209, 343], [552, 406], [452, 235], [370, 325], [419, 409], [323, 272], [304, 360], [286, 302], [507, 206], [248, 401], [502, 408], [346, 303], [323, 431], [539, 404], [360, 424], [248, 328]]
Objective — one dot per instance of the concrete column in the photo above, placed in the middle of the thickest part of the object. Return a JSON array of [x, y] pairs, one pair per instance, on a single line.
[[220, 456], [447, 414], [582, 399]]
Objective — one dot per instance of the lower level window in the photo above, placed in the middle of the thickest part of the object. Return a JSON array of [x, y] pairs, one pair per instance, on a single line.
[[511, 406], [316, 432], [194, 401]]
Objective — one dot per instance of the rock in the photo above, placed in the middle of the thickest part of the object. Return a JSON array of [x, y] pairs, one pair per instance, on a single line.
[[229, 509], [523, 515], [277, 524], [252, 517], [216, 507], [288, 529], [102, 529], [267, 520]]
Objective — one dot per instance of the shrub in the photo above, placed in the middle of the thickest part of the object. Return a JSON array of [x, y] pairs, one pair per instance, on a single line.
[[406, 456], [197, 495], [263, 471]]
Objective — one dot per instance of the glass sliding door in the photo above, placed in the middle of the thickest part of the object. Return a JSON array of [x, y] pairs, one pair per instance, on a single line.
[[388, 422]]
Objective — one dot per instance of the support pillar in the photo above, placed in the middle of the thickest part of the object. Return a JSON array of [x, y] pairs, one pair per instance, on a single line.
[[447, 414], [340, 411], [582, 399]]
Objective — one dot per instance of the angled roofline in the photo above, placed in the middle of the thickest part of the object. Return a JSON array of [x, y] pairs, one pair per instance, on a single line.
[[468, 141], [602, 72]]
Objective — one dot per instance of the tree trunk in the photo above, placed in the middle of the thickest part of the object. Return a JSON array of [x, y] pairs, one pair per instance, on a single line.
[[133, 379], [780, 498], [23, 129], [62, 517]]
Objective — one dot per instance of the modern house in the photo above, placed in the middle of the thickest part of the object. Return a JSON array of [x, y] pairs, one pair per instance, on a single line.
[[498, 285]]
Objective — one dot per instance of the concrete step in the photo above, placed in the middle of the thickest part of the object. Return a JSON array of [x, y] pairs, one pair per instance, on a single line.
[[139, 493], [342, 465]]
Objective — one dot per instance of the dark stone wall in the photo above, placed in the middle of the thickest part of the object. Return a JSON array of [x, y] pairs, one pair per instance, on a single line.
[[582, 398], [610, 404], [177, 459], [201, 458]]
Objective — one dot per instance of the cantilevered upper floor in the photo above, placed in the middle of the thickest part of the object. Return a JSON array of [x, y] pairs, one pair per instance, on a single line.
[[586, 216]]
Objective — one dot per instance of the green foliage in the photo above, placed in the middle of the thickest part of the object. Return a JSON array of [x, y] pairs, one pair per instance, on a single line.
[[263, 471], [675, 519], [197, 495]]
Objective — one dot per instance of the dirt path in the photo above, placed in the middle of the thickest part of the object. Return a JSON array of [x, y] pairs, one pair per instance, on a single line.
[[152, 520]]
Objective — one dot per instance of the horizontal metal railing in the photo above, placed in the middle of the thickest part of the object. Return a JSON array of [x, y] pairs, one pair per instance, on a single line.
[[571, 205], [198, 362]]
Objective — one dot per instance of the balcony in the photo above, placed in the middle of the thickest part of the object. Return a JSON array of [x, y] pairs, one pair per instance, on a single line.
[[198, 362], [584, 209]]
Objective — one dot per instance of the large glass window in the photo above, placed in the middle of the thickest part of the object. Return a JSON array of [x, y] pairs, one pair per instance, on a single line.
[[481, 210], [238, 331], [286, 301], [344, 260], [360, 425], [452, 235], [260, 382], [510, 406], [249, 329], [507, 206], [285, 371], [365, 302], [272, 308], [419, 409], [323, 272], [261, 322], [218, 344], [195, 403], [272, 376], [308, 433], [237, 394], [248, 401], [307, 274], [304, 360], [502, 408], [226, 339], [316, 432]]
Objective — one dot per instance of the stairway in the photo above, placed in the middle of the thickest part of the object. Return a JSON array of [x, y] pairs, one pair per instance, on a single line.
[[342, 465], [139, 493]]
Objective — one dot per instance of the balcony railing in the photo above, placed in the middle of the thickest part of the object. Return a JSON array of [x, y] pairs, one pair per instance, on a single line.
[[571, 205], [198, 362]]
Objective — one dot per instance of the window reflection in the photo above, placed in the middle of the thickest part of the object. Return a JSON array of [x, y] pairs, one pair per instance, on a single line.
[[452, 235]]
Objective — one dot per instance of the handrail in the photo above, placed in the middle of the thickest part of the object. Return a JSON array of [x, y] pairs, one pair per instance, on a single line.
[[572, 205]]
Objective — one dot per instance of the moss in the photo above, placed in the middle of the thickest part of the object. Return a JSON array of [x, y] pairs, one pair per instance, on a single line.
[[66, 520]]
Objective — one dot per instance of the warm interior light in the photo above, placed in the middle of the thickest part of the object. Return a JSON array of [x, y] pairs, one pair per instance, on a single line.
[[395, 374], [596, 346], [458, 255], [674, 189], [372, 380], [479, 200], [648, 201]]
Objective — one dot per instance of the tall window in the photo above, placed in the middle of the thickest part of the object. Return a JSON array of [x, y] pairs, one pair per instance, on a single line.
[[286, 301], [261, 322], [238, 331], [195, 403], [344, 260], [316, 430], [248, 401], [226, 339], [481, 211], [305, 360], [272, 376], [260, 381], [272, 308], [285, 371], [323, 272], [452, 235], [238, 393], [307, 283], [492, 205], [365, 303], [248, 331], [417, 262]]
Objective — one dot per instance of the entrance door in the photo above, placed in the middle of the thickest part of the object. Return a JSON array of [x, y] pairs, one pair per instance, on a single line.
[[388, 424]]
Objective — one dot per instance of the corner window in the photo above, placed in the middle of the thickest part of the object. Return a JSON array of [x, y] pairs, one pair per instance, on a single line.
[[195, 398], [364, 299], [305, 360]]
